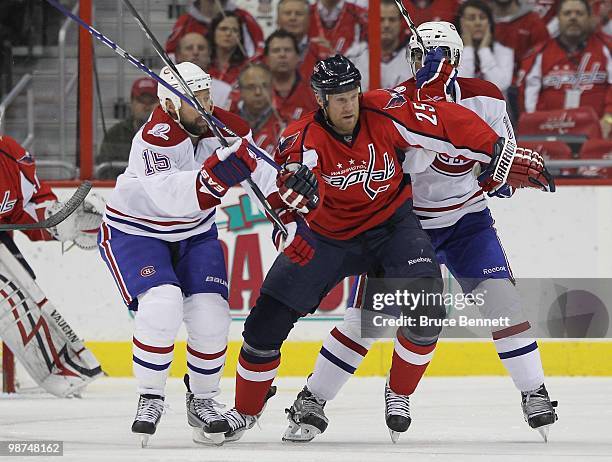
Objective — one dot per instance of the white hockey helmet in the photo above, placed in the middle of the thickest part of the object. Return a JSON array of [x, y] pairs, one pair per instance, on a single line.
[[193, 75], [436, 34]]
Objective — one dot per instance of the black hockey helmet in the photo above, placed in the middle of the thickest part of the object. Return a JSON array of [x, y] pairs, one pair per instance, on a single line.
[[334, 75]]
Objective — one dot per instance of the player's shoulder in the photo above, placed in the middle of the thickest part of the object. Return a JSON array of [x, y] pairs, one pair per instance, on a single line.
[[472, 87], [233, 121], [13, 150], [385, 100], [162, 131], [296, 134]]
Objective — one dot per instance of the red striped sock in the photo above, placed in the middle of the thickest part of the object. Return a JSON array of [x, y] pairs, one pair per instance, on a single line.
[[253, 380], [408, 365]]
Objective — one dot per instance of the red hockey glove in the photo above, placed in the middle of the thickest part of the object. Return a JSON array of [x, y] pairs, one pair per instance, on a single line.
[[298, 187], [436, 79], [299, 244], [517, 167], [227, 167]]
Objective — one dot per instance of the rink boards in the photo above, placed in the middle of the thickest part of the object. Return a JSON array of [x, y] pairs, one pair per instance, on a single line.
[[562, 235]]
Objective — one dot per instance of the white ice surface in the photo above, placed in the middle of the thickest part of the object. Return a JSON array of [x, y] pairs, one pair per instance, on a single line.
[[454, 419]]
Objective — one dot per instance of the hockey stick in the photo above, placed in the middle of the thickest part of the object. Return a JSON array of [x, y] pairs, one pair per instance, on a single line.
[[204, 113], [132, 60], [411, 24], [70, 206]]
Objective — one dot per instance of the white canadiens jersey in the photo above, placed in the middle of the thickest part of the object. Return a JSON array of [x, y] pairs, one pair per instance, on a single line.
[[445, 189], [156, 196]]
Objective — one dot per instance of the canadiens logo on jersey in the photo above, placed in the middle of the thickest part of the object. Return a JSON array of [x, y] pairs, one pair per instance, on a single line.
[[451, 166], [363, 174], [396, 100], [160, 130]]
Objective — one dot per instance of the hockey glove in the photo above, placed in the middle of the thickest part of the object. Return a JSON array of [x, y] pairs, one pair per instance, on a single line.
[[518, 167], [298, 187], [504, 191], [436, 79], [82, 226], [227, 167], [299, 243]]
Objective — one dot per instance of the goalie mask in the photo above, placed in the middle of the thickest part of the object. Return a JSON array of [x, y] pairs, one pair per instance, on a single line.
[[195, 78], [436, 34]]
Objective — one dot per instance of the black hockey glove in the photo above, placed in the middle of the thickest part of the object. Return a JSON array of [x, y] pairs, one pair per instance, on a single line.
[[298, 187]]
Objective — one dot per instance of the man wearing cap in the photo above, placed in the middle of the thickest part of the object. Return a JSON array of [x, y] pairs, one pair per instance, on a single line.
[[117, 141]]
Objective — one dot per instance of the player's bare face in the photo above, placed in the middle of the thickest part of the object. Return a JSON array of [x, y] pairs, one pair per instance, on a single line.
[[190, 118], [573, 20], [343, 111], [475, 22]]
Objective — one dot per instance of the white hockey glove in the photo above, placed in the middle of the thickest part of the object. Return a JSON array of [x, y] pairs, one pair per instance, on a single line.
[[82, 226]]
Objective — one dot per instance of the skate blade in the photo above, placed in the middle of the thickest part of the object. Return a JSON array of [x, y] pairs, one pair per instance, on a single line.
[[394, 436], [543, 431], [303, 433], [201, 437], [144, 439]]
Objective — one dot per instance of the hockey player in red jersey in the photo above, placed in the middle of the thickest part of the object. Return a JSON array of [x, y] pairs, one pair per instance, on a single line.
[[453, 211], [360, 219]]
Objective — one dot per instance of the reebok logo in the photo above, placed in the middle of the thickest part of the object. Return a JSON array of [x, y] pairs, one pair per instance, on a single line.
[[495, 269], [419, 260]]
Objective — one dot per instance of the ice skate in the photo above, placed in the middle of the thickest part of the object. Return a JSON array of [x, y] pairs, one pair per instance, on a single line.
[[209, 426], [306, 418], [539, 410], [239, 423], [150, 410], [397, 413]]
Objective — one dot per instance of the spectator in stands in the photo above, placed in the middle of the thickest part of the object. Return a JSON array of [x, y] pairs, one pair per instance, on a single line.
[[431, 10], [483, 56], [255, 106], [571, 70], [194, 47], [394, 44], [293, 16], [227, 56], [339, 22], [199, 17], [292, 95], [118, 140], [518, 27], [547, 10]]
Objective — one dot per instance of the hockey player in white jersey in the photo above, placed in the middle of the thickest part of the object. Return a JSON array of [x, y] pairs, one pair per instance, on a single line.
[[159, 241], [452, 207]]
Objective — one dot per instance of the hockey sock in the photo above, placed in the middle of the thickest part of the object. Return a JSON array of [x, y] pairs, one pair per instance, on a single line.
[[408, 364], [207, 320], [156, 324], [254, 376], [520, 356], [341, 354]]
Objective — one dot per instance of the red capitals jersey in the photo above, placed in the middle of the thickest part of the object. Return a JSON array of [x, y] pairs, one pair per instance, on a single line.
[[22, 196], [193, 22], [297, 103], [546, 9], [313, 53], [551, 75], [350, 27], [522, 34], [229, 75], [360, 177]]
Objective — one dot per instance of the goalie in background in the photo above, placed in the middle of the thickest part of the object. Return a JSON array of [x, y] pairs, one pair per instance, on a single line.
[[29, 325]]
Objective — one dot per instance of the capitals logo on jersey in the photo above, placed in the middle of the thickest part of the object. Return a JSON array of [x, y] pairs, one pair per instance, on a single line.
[[396, 100], [364, 175], [287, 142]]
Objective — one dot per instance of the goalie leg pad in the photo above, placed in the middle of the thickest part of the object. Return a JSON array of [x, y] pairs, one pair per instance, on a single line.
[[207, 320], [156, 324]]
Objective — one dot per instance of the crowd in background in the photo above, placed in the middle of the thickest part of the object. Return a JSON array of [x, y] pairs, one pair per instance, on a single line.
[[547, 55]]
